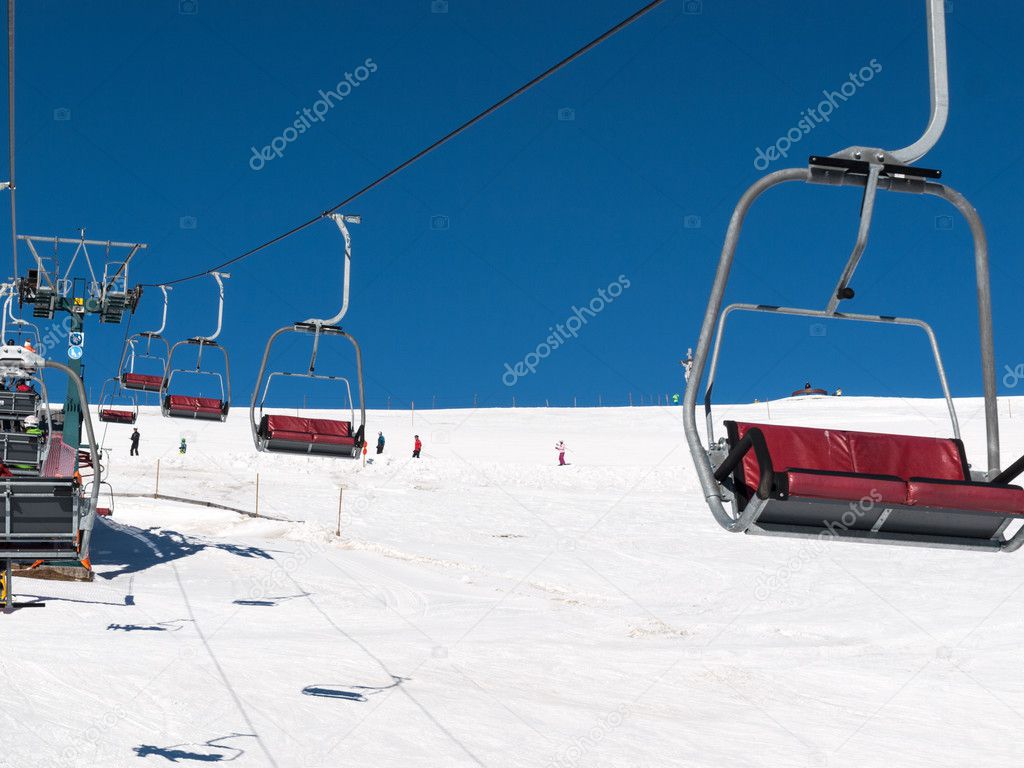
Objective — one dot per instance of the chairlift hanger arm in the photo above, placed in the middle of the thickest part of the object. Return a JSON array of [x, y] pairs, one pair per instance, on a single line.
[[341, 220], [163, 322], [220, 277], [935, 12]]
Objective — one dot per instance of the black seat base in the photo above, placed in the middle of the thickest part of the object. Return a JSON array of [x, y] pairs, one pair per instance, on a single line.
[[883, 522]]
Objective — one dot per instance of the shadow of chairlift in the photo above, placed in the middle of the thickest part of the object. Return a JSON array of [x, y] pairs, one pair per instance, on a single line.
[[358, 693], [175, 752]]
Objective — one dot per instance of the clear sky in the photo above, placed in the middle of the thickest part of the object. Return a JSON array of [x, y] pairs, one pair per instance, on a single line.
[[138, 121]]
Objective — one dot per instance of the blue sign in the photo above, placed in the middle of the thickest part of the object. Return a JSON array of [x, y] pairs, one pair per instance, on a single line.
[[75, 353]]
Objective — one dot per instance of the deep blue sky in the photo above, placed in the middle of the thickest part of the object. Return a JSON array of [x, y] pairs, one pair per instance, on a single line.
[[164, 107]]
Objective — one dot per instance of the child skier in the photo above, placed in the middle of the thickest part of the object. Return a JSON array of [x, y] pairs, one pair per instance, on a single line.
[[560, 447], [183, 447], [417, 447], [380, 443]]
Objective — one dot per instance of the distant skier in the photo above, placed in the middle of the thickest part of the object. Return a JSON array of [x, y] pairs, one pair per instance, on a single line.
[[687, 365], [135, 442], [417, 447], [560, 447], [380, 443], [675, 399], [183, 447]]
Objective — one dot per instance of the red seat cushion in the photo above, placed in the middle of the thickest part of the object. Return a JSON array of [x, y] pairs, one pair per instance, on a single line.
[[195, 404], [142, 380], [981, 497], [110, 413], [833, 485], [907, 456], [836, 450], [302, 430]]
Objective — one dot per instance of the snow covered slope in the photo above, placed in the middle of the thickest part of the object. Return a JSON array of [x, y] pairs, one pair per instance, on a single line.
[[483, 606]]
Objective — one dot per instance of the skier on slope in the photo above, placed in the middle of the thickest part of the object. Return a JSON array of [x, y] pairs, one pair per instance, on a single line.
[[417, 447], [135, 442], [183, 446], [380, 443], [560, 447]]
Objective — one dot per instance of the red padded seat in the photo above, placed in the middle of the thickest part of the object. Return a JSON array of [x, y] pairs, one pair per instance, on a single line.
[[302, 430], [142, 381], [110, 414], [181, 403], [896, 469], [982, 497], [828, 485]]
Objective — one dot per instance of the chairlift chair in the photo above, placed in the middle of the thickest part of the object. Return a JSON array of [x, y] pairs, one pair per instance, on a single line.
[[278, 433], [48, 516], [182, 406], [795, 481], [141, 345], [109, 412], [20, 330]]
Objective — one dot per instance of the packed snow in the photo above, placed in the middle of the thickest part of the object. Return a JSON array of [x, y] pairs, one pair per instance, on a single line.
[[484, 606]]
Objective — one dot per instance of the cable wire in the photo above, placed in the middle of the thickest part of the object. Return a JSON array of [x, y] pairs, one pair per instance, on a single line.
[[422, 153], [10, 123]]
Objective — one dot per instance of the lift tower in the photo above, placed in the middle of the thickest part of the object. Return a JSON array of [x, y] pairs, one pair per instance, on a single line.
[[50, 292]]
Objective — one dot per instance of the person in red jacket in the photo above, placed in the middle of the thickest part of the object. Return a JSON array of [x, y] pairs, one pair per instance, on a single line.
[[417, 447]]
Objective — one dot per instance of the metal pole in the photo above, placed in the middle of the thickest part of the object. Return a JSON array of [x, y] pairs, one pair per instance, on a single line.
[[157, 492], [10, 129], [9, 597], [257, 494], [341, 494]]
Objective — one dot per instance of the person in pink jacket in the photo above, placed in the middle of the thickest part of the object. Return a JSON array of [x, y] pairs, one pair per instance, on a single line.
[[560, 447]]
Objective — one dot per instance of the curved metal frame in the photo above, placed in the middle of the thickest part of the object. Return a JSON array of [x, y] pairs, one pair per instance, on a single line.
[[701, 457], [18, 362], [317, 327], [224, 380], [202, 342], [317, 331], [27, 328], [129, 352], [117, 388]]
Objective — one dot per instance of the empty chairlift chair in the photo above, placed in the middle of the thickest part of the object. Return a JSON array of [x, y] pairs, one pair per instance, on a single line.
[[175, 402], [151, 349], [317, 437], [116, 405], [835, 483]]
